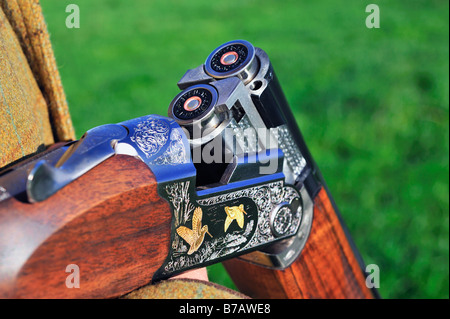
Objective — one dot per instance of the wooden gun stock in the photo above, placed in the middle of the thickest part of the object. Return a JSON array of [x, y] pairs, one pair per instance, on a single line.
[[114, 226], [326, 268], [110, 222]]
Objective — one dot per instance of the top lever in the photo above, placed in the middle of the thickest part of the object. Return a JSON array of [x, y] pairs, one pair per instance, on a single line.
[[94, 147]]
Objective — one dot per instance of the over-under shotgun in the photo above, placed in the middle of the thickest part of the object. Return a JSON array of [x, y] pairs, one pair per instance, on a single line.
[[227, 177]]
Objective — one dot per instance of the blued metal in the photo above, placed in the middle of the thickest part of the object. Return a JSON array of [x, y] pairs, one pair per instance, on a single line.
[[92, 149], [250, 165], [236, 217], [157, 141], [14, 179], [161, 144]]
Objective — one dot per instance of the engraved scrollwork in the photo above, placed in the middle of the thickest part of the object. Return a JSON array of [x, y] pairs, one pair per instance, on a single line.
[[254, 233], [151, 135], [175, 153], [282, 220]]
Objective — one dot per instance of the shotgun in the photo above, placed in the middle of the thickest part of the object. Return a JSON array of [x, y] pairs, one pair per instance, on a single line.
[[226, 177]]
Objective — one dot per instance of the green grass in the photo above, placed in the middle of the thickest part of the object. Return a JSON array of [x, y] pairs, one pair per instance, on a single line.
[[373, 105]]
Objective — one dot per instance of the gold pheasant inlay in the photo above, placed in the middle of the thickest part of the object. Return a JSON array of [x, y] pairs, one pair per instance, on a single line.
[[195, 236], [234, 213]]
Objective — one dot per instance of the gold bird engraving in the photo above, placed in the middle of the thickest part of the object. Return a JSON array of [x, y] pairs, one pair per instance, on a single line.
[[234, 213], [195, 236]]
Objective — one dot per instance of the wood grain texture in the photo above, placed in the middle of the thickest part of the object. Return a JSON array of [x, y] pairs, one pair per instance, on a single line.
[[110, 222], [326, 268]]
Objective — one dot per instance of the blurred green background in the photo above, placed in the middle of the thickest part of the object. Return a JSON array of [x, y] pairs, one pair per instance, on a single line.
[[372, 104]]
